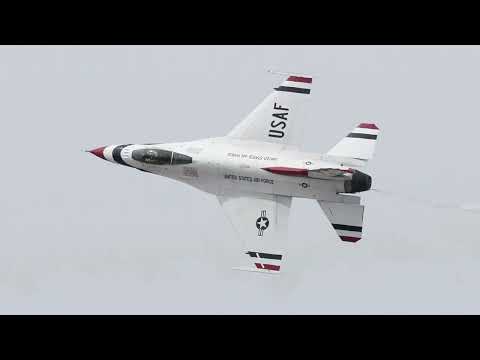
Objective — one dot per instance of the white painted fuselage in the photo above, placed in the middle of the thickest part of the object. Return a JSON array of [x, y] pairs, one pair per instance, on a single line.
[[224, 165]]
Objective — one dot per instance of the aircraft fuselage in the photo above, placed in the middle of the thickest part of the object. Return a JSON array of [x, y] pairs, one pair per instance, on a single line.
[[223, 166]]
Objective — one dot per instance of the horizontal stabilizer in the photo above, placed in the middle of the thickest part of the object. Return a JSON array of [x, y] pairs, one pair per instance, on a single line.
[[357, 147], [346, 218]]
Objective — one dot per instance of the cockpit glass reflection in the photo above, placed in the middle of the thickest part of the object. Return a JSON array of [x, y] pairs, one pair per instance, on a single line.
[[160, 157]]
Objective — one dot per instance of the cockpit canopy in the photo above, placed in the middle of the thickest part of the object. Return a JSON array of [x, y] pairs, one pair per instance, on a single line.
[[160, 157]]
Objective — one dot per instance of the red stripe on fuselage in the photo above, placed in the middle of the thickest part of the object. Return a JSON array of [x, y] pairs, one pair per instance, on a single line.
[[287, 171], [300, 79]]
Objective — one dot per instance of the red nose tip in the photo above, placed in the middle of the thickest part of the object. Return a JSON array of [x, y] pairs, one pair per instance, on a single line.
[[98, 152]]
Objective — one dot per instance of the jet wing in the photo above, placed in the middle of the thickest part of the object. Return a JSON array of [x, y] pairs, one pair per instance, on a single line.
[[276, 119], [261, 222]]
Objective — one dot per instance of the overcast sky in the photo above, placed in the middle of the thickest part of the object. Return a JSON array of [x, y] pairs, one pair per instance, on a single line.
[[80, 235]]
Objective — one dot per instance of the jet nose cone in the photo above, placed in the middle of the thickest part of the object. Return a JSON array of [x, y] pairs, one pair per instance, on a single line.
[[98, 152]]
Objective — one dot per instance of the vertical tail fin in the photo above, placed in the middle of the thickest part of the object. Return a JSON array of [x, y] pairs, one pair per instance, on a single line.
[[358, 145]]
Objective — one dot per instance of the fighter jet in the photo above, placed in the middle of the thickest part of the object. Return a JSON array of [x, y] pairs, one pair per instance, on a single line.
[[257, 168]]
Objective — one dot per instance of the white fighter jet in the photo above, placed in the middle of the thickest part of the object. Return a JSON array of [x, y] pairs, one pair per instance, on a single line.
[[257, 168]]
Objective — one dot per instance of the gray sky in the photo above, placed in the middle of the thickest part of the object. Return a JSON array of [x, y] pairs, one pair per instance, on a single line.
[[81, 235]]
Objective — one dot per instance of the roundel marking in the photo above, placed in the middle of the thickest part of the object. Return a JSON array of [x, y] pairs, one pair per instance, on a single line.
[[262, 223]]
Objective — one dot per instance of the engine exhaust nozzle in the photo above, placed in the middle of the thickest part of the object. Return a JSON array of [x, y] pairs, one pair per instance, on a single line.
[[360, 182]]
